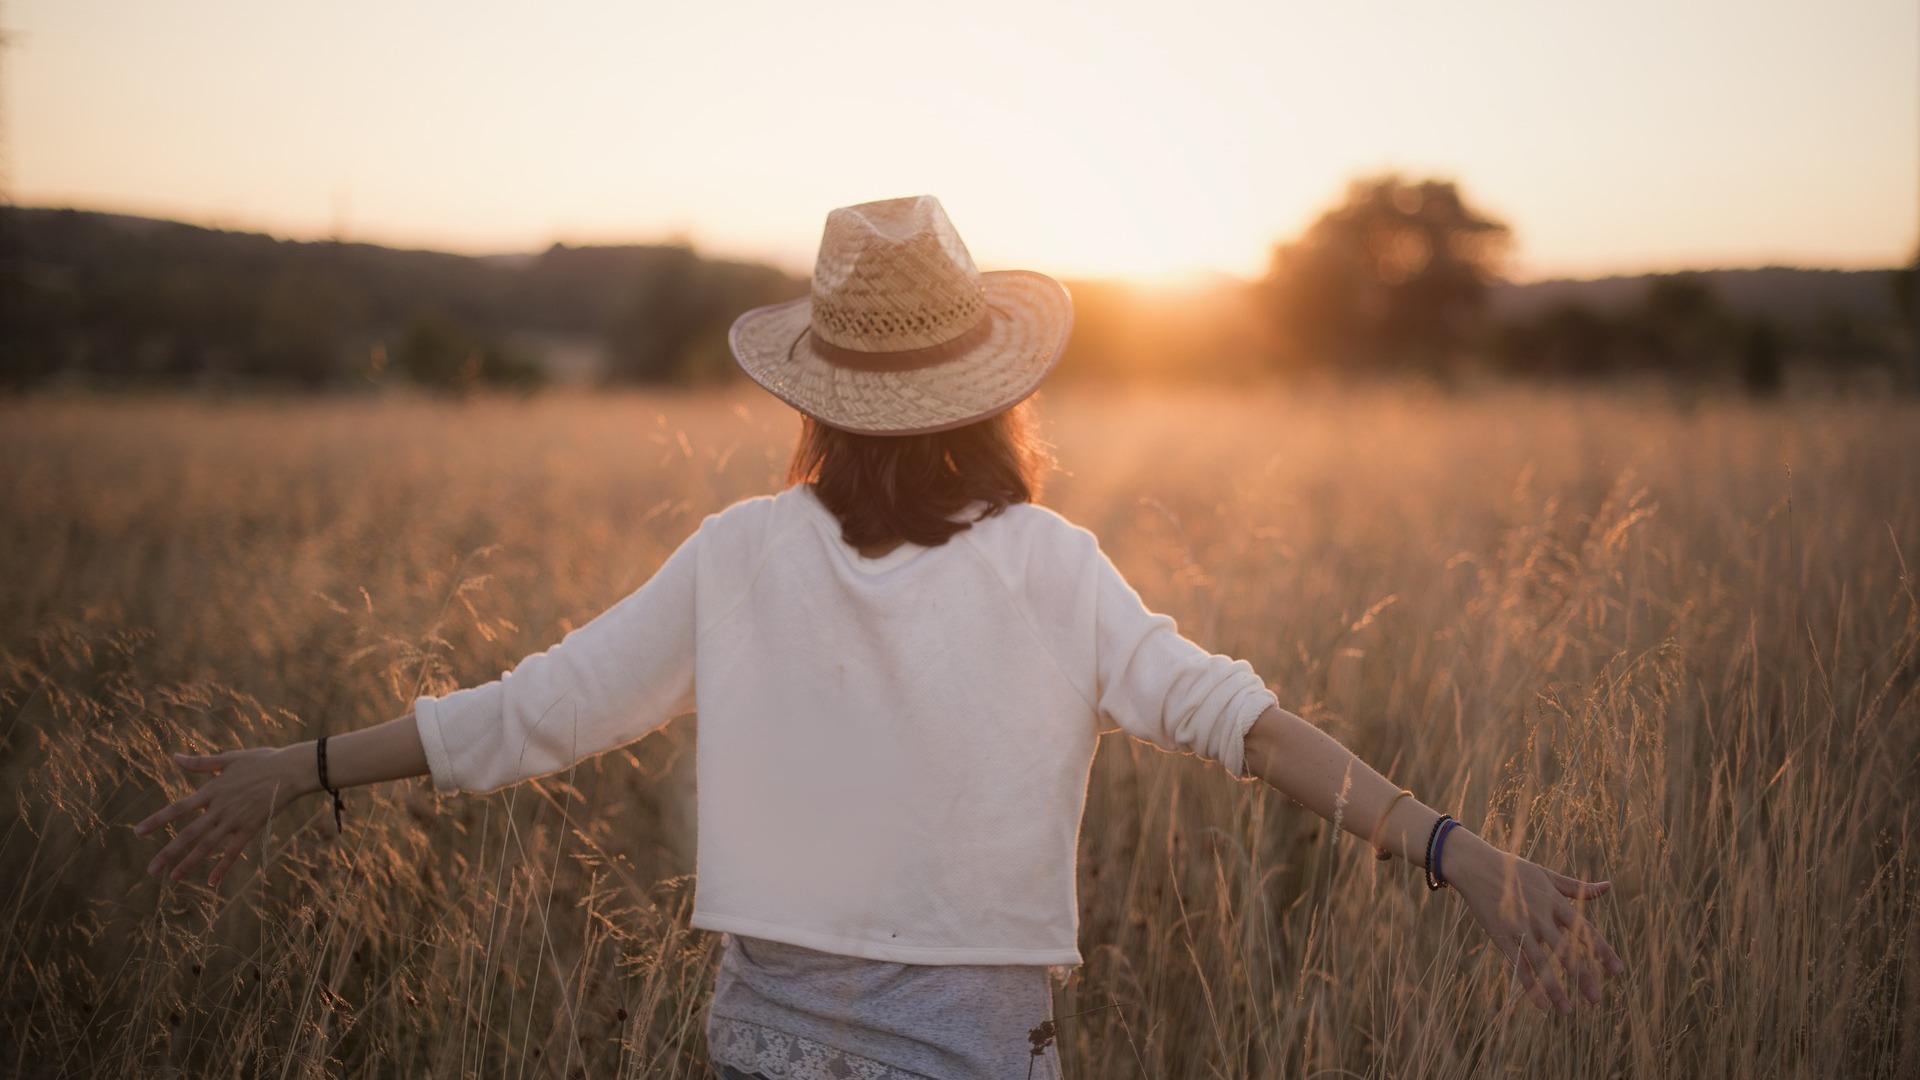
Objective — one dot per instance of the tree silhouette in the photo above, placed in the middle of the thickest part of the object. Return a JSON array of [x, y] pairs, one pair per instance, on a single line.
[[1397, 275], [438, 351], [677, 306], [1761, 369], [1684, 329], [1568, 339], [1906, 305]]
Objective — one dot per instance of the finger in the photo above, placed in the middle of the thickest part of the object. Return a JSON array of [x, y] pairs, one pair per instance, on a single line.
[[1523, 971], [236, 844], [168, 813], [209, 842], [204, 763], [1529, 982], [1576, 956], [182, 843], [1596, 945], [1575, 889], [1604, 951], [1543, 970]]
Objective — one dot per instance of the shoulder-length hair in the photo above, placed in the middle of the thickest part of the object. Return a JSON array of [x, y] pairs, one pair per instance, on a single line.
[[886, 488]]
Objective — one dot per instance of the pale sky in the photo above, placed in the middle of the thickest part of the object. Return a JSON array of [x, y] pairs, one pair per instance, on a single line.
[[1155, 139]]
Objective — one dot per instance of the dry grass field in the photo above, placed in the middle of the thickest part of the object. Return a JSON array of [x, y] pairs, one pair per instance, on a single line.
[[1673, 644]]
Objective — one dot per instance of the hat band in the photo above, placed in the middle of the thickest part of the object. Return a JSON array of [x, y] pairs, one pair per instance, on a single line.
[[900, 359]]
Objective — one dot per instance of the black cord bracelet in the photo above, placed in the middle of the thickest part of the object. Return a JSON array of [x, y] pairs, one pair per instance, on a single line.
[[339, 807], [1433, 879]]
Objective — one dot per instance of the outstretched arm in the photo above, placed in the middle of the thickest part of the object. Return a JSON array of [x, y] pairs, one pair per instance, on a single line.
[[605, 684], [1527, 909], [249, 786], [1163, 688]]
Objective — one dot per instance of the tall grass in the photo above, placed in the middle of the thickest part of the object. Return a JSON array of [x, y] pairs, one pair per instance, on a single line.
[[1677, 646]]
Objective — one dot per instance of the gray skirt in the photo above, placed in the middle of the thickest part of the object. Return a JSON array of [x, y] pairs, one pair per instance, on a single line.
[[783, 1012]]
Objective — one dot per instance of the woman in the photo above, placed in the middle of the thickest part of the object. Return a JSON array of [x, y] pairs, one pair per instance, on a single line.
[[901, 665]]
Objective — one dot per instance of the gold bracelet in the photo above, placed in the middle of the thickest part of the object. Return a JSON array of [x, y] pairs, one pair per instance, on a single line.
[[1379, 852]]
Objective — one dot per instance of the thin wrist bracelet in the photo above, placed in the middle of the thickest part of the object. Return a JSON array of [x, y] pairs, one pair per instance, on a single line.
[[1436, 879], [1431, 835], [1374, 838], [339, 807]]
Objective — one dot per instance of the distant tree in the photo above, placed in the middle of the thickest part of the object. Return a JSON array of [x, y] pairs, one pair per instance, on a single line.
[[1569, 339], [300, 328], [35, 309], [1761, 370], [1906, 305], [666, 310], [1677, 300], [1683, 328], [439, 352], [674, 325], [1844, 340], [1396, 275]]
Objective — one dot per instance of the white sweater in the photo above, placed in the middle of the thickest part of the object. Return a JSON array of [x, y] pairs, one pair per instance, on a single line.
[[893, 752]]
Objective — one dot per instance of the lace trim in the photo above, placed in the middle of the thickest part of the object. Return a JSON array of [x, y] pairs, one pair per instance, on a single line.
[[779, 1055]]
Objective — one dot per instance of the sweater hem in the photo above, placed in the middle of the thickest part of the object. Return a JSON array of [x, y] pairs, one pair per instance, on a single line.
[[1256, 707], [426, 717], [876, 950]]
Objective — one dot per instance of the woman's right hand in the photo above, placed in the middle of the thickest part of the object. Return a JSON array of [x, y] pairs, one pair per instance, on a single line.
[[245, 789], [1528, 911]]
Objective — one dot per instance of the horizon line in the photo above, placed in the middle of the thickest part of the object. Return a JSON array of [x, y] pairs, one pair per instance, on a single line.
[[1174, 279]]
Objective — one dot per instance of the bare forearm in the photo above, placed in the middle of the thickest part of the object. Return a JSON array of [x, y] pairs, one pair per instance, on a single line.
[[1525, 908], [1312, 767], [389, 751]]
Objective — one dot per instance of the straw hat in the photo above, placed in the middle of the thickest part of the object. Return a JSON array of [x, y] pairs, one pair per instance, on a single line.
[[902, 335]]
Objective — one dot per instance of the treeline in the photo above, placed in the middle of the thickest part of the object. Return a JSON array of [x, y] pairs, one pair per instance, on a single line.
[[1402, 276], [1680, 327]]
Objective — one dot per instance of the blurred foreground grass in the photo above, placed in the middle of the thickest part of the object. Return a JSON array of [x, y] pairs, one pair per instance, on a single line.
[[1676, 646]]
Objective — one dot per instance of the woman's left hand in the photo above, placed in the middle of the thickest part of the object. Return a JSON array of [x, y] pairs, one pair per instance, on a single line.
[[1528, 911]]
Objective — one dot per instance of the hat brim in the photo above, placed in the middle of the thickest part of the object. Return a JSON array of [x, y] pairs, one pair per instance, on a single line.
[[1031, 317]]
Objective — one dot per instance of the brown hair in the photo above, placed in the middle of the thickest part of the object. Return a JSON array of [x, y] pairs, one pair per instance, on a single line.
[[885, 488]]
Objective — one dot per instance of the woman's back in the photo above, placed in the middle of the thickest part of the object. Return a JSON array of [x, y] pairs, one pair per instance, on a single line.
[[889, 748], [893, 752]]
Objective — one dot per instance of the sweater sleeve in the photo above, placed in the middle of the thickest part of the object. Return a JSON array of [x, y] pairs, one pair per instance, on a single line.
[[1160, 687], [604, 685]]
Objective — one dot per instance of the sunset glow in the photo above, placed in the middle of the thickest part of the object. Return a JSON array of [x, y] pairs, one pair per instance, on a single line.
[[1150, 141]]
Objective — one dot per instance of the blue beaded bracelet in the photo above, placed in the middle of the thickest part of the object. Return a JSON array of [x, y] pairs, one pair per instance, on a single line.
[[1427, 860], [1435, 880]]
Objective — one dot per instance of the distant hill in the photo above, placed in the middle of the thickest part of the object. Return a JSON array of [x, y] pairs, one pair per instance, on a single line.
[[124, 296], [1790, 295]]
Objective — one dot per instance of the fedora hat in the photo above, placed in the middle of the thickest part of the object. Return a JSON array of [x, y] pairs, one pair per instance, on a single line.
[[901, 334]]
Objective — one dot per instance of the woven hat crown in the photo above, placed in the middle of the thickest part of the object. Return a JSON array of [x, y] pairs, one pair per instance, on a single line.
[[902, 334], [894, 275]]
